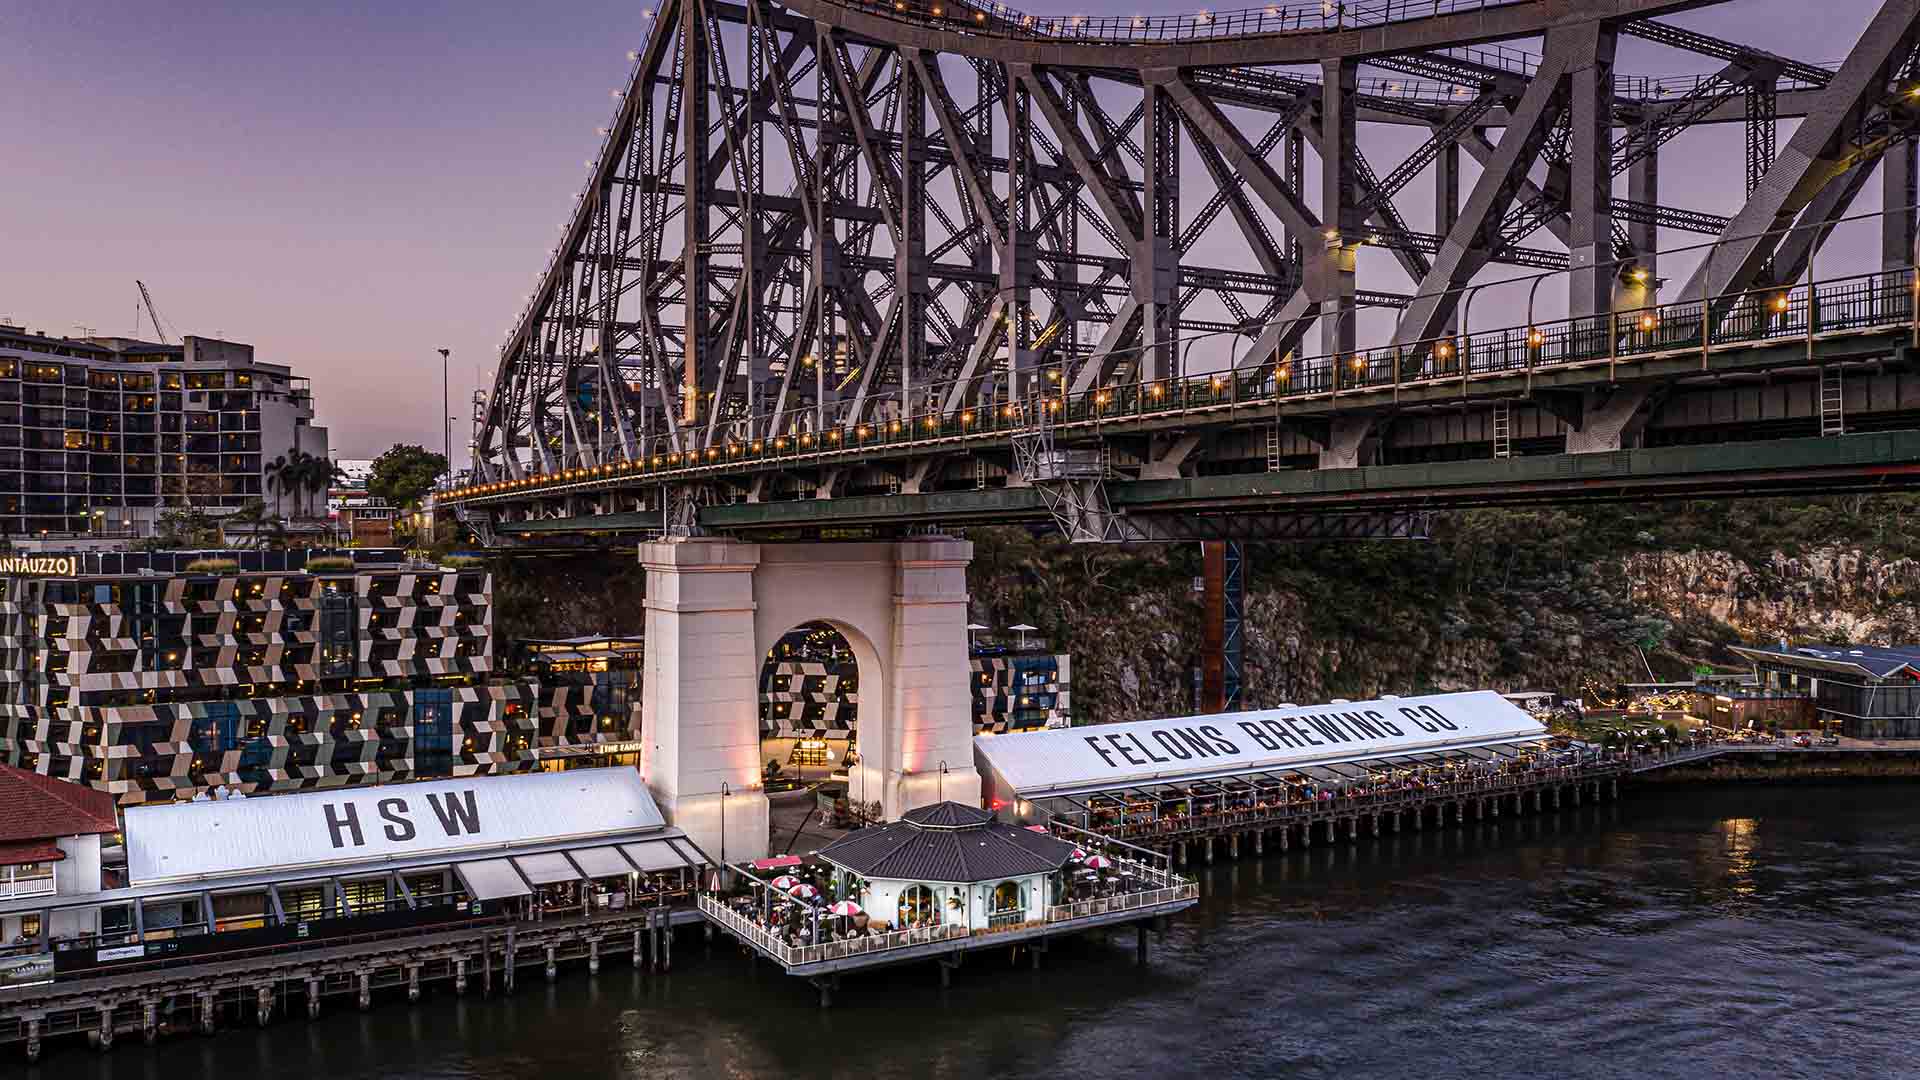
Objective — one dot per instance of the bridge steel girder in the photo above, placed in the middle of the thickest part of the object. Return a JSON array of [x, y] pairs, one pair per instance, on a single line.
[[1821, 151], [961, 218]]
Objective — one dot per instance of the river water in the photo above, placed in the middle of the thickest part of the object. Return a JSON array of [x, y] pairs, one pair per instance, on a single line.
[[1734, 931]]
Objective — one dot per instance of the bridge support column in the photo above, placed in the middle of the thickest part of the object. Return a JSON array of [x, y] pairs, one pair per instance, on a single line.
[[206, 1014], [1576, 793], [263, 1005], [313, 999], [149, 1022], [1282, 835], [1206, 849], [366, 991], [33, 1030], [1614, 785], [413, 982], [460, 976], [593, 957], [700, 702]]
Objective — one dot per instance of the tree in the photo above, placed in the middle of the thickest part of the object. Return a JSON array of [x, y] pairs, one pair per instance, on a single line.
[[404, 474], [185, 526]]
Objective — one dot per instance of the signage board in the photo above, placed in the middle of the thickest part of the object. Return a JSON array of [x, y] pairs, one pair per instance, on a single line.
[[1152, 751], [195, 840], [39, 565]]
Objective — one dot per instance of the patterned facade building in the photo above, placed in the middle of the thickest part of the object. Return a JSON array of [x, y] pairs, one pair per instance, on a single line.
[[1021, 691], [156, 686], [589, 710]]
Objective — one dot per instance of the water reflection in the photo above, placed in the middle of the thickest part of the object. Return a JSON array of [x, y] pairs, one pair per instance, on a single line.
[[1721, 931]]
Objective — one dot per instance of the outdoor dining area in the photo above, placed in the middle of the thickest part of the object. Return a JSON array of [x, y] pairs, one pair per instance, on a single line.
[[1250, 799], [945, 877]]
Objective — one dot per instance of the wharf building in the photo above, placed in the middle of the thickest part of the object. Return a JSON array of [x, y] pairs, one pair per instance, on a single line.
[[242, 908], [1212, 781], [99, 434], [137, 675], [1860, 692]]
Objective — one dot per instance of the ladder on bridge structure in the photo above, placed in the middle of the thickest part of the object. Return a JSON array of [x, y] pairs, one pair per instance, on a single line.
[[1833, 419], [1273, 448], [1502, 430]]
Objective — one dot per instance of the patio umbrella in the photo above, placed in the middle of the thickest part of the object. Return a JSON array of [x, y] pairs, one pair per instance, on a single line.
[[845, 907], [1041, 829], [1098, 862], [785, 881], [1023, 629], [1078, 854], [974, 628], [803, 892]]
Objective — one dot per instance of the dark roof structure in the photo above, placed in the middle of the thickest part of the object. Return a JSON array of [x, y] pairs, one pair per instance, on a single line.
[[949, 843], [35, 810], [1872, 660]]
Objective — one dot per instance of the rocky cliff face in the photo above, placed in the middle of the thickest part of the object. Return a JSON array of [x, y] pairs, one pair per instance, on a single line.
[[1839, 594], [1543, 599]]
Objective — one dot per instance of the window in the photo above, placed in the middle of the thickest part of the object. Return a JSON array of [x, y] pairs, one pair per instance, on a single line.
[[433, 733], [1008, 905], [338, 651], [918, 907]]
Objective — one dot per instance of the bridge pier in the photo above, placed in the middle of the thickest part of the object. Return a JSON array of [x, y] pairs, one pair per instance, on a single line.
[[713, 609]]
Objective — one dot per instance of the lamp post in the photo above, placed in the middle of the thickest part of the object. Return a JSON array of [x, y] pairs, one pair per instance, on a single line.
[[725, 791], [446, 410]]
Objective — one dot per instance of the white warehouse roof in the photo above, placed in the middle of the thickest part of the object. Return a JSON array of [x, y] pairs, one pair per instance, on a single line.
[[185, 841], [1066, 760]]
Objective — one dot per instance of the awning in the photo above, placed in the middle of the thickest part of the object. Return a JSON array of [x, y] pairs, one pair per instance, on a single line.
[[549, 868], [491, 879], [654, 855], [601, 862]]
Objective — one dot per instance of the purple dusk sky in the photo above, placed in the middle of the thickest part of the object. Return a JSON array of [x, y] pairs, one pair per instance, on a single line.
[[351, 186]]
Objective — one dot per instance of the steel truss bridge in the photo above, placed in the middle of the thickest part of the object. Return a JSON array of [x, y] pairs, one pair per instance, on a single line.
[[852, 265]]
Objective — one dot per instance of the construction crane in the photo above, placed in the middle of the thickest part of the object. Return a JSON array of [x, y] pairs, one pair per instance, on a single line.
[[153, 314]]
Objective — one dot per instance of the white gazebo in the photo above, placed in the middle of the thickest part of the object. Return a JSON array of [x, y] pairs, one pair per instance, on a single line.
[[949, 865]]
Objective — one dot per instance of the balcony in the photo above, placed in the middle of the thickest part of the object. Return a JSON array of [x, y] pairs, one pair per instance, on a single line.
[[20, 882]]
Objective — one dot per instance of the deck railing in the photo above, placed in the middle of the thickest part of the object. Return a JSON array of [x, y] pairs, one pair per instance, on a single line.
[[1131, 901], [949, 414]]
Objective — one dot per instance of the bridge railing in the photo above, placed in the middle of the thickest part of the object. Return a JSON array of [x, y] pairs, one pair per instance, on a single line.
[[1000, 20], [939, 413]]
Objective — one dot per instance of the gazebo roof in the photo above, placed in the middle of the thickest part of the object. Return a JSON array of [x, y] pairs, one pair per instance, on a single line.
[[948, 842]]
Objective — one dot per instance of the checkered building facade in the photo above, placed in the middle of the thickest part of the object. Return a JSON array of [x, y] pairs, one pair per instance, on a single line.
[[155, 687]]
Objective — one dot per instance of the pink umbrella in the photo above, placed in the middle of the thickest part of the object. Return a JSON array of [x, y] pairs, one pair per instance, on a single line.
[[1037, 828], [785, 881], [1078, 854], [845, 907], [1098, 862], [803, 892]]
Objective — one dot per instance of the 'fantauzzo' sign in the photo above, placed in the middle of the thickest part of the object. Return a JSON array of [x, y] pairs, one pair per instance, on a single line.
[[233, 836], [38, 565], [1271, 738]]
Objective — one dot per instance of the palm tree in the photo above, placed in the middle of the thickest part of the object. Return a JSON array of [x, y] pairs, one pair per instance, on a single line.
[[318, 473], [278, 478]]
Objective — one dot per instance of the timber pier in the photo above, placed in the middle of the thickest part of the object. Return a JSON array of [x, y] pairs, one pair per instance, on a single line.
[[164, 996]]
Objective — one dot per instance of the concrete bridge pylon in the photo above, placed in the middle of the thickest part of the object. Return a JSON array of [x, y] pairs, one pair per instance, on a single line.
[[715, 609]]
